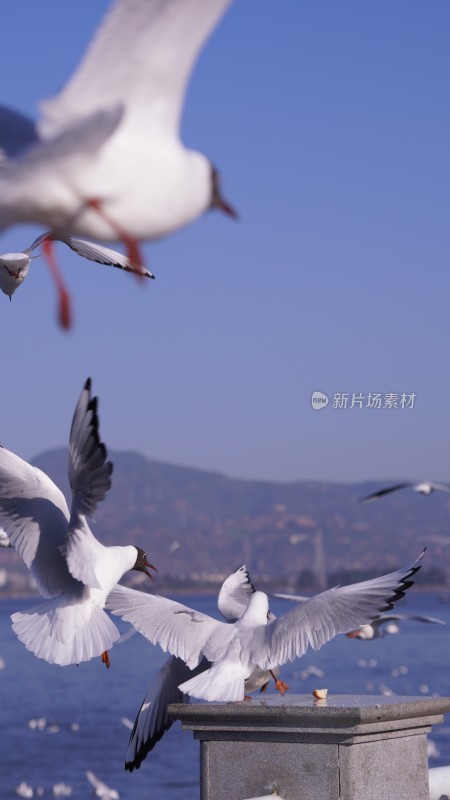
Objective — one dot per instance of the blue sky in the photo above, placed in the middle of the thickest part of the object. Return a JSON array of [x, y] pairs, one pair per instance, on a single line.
[[330, 124]]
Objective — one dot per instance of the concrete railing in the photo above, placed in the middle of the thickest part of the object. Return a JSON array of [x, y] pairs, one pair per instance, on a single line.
[[343, 748]]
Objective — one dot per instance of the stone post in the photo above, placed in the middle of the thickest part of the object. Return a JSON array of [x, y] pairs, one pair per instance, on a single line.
[[342, 748]]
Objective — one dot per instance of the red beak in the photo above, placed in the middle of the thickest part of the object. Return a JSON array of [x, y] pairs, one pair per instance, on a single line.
[[227, 208], [150, 566]]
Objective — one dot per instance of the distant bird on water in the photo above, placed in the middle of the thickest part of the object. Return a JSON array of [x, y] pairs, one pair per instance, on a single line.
[[101, 789], [424, 488], [387, 624], [14, 266], [236, 650], [70, 566], [105, 159]]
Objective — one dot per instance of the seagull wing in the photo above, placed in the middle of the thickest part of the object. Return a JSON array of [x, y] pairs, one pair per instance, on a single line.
[[234, 595], [424, 618], [103, 255], [153, 719], [382, 492], [90, 479], [320, 618], [89, 470], [294, 598], [93, 252], [38, 241], [178, 629], [16, 132], [34, 515], [79, 143], [440, 487], [385, 618], [141, 55]]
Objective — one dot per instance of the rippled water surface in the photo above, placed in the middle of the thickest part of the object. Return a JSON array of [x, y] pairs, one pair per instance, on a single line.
[[82, 706]]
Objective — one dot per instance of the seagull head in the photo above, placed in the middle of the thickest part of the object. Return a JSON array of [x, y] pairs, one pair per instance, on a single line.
[[257, 610], [364, 632], [13, 271], [141, 563], [217, 200]]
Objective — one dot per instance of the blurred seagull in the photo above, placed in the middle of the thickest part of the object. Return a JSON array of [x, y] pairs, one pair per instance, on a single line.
[[4, 539], [14, 266], [236, 650], [424, 488], [101, 788], [153, 719], [69, 565], [105, 159], [387, 624]]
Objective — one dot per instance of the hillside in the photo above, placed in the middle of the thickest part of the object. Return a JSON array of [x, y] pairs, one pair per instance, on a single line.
[[195, 522]]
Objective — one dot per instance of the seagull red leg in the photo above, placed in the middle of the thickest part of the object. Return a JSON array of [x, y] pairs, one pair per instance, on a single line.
[[105, 659], [64, 310], [131, 244], [280, 686]]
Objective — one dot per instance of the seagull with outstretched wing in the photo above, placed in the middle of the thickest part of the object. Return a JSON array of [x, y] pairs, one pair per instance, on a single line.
[[72, 569], [253, 641], [388, 624], [426, 488], [14, 267], [153, 719]]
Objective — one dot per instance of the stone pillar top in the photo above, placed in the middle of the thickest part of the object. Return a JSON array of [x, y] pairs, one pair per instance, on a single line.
[[352, 713]]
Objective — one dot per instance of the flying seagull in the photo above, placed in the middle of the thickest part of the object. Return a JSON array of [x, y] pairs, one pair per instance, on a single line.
[[101, 789], [105, 159], [70, 566], [424, 488], [14, 266], [387, 624], [153, 720], [236, 650]]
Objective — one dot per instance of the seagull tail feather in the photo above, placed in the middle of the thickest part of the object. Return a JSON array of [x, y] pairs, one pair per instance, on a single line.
[[53, 632], [224, 682]]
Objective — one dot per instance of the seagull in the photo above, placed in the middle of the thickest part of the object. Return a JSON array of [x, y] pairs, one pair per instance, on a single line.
[[70, 566], [153, 719], [101, 789], [4, 539], [387, 624], [105, 159], [424, 488], [236, 650], [14, 266]]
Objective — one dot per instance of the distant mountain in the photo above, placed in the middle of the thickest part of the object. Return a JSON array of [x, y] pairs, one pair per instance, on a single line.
[[192, 521]]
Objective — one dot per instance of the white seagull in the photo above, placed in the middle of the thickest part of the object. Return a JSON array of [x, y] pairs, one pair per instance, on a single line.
[[153, 719], [105, 160], [5, 541], [102, 790], [70, 566], [387, 624], [14, 266], [426, 488], [236, 650]]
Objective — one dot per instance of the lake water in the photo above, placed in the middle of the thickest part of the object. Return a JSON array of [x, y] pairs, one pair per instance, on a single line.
[[83, 705]]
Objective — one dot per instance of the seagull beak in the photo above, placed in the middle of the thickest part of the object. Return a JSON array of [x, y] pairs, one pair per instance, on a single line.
[[217, 201], [226, 208], [150, 566]]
